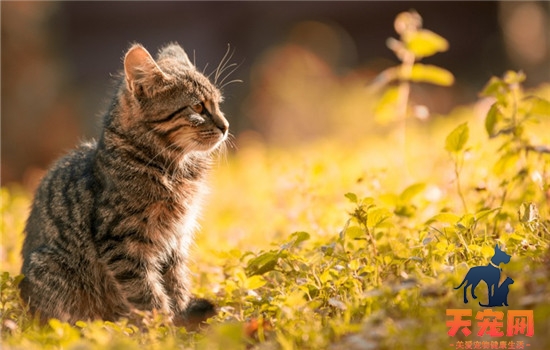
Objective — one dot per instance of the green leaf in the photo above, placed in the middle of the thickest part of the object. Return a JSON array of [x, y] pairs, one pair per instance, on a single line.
[[424, 43], [457, 138], [355, 232], [466, 221], [351, 196], [493, 117], [495, 88], [412, 191], [299, 237], [254, 282], [506, 162], [262, 263], [485, 212], [295, 239], [427, 73], [511, 77], [377, 216], [539, 106], [446, 218]]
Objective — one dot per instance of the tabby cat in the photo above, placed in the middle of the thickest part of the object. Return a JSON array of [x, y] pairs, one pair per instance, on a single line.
[[111, 223]]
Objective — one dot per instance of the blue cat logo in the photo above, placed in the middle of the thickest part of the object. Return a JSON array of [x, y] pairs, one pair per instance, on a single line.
[[490, 274]]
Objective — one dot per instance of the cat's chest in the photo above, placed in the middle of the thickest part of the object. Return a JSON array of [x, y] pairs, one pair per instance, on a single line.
[[170, 225], [154, 222], [164, 217]]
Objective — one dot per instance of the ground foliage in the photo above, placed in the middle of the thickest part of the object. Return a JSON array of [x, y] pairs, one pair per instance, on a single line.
[[348, 245]]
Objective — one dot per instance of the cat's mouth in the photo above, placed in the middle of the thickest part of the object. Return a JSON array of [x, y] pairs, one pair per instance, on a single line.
[[210, 139]]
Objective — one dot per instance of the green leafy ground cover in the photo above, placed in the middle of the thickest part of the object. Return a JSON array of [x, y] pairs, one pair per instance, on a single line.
[[348, 244]]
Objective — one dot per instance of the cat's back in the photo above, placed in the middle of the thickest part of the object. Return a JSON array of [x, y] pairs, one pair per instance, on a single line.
[[63, 200]]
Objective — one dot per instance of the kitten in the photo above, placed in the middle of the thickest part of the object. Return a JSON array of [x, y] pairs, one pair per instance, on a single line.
[[111, 223]]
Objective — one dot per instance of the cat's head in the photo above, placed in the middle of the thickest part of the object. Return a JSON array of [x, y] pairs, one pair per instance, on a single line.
[[167, 101]]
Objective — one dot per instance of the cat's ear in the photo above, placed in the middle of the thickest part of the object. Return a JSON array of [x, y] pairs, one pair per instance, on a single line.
[[176, 52], [143, 75], [497, 247]]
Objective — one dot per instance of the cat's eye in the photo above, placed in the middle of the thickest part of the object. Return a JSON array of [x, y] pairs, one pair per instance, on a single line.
[[199, 108]]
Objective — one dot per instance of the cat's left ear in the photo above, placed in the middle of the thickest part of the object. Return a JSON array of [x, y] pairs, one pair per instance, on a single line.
[[143, 75], [176, 52]]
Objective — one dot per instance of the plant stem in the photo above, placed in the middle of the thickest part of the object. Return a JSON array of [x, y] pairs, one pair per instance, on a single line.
[[403, 103], [458, 168]]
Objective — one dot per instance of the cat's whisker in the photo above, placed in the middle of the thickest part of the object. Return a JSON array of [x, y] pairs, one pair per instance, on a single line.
[[230, 140], [221, 153], [230, 82], [204, 70], [221, 64], [224, 61], [233, 69], [227, 67]]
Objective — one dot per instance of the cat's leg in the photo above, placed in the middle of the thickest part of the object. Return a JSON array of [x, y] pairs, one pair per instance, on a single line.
[[176, 283], [465, 290], [139, 280], [67, 290], [187, 311]]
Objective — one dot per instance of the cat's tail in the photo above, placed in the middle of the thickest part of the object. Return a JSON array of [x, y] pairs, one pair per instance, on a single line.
[[461, 284], [196, 313]]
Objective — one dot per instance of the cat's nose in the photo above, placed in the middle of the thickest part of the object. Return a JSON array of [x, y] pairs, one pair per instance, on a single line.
[[223, 125]]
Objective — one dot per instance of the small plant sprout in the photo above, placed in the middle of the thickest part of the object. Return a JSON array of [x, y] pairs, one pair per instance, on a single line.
[[394, 83]]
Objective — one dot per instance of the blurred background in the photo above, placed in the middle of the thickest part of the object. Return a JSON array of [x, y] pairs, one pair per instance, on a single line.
[[305, 66]]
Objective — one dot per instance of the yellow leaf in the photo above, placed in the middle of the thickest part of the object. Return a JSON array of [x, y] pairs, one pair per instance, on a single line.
[[385, 110], [426, 73], [254, 282], [295, 299], [457, 139], [425, 43], [446, 218], [355, 232]]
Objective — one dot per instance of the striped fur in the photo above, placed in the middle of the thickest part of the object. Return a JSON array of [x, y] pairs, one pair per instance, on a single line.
[[111, 223]]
